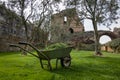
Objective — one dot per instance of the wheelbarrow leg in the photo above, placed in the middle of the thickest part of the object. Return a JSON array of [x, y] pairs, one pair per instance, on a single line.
[[49, 65], [41, 63], [57, 63]]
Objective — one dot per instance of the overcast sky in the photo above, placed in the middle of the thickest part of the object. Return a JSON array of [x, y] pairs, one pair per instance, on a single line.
[[88, 26]]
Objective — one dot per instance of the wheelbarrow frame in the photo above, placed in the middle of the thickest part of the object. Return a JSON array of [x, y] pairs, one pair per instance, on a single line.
[[62, 54]]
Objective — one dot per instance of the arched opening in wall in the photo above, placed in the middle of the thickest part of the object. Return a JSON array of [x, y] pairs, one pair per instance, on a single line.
[[104, 39], [71, 30]]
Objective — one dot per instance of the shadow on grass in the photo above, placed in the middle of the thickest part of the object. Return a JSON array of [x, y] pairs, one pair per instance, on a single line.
[[108, 70], [90, 73], [113, 60]]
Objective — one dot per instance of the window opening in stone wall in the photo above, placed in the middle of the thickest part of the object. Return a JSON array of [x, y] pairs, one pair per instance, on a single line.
[[65, 19]]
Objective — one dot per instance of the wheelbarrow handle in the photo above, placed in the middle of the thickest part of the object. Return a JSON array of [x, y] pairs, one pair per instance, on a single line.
[[13, 45], [25, 43], [36, 49]]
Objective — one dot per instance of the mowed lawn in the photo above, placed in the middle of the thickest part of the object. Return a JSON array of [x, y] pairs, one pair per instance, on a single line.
[[84, 66]]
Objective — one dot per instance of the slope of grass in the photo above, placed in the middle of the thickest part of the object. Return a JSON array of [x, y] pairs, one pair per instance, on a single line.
[[84, 66]]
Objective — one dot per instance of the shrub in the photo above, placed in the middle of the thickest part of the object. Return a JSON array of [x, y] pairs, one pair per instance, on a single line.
[[118, 49], [89, 47], [115, 45]]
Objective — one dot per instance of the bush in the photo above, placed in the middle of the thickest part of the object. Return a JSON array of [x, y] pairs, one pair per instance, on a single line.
[[89, 47], [56, 46], [118, 49], [115, 45]]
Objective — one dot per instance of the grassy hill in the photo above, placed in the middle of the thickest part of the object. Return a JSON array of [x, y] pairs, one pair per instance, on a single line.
[[84, 66]]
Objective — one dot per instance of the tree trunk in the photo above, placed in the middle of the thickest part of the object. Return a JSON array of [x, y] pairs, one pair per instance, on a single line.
[[96, 37], [24, 23]]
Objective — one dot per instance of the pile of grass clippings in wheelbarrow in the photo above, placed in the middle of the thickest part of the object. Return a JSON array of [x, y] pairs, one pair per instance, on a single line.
[[56, 46]]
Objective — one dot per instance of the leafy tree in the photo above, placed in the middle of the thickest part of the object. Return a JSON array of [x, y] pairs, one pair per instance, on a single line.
[[98, 11]]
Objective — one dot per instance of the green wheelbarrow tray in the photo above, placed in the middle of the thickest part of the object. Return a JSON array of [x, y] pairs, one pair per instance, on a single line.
[[62, 54]]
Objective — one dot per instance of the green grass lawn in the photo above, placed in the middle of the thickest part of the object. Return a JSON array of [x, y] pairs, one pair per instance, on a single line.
[[84, 66]]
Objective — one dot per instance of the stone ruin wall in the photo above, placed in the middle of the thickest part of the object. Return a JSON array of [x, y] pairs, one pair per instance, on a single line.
[[117, 31], [11, 30], [73, 22], [10, 35]]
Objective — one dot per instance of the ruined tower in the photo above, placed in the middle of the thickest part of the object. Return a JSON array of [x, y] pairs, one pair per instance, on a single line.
[[64, 24]]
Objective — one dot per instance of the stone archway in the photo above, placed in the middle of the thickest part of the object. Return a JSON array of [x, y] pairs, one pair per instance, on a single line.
[[88, 36], [108, 33], [111, 35]]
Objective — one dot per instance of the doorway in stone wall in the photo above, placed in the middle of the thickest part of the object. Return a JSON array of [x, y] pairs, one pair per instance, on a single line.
[[71, 30]]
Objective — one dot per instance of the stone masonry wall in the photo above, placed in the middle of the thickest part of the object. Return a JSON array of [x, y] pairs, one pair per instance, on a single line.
[[62, 29], [11, 30]]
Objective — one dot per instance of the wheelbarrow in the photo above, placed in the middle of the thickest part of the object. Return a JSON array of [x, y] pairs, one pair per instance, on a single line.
[[62, 54]]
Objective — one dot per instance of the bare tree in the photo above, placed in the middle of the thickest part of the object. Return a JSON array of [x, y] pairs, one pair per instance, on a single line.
[[99, 12], [24, 8], [36, 11], [41, 19]]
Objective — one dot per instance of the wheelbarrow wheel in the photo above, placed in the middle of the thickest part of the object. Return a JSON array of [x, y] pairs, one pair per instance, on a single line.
[[66, 61]]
